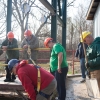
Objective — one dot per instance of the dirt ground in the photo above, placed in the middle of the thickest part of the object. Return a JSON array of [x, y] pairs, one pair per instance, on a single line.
[[76, 90]]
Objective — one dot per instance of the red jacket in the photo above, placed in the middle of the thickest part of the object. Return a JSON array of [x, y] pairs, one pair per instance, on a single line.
[[27, 74]]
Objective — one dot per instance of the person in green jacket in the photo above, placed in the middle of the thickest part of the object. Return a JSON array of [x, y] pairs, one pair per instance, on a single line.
[[93, 55], [9, 43], [58, 65]]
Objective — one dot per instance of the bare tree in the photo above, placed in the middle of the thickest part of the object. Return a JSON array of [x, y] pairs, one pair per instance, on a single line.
[[77, 25], [19, 18]]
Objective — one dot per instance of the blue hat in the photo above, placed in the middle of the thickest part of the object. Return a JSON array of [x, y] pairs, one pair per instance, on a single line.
[[11, 63]]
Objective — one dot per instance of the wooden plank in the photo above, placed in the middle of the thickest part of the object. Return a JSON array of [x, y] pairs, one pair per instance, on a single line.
[[21, 95], [10, 85], [92, 88]]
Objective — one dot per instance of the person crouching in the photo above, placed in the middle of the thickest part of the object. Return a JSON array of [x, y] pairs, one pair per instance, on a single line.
[[28, 75]]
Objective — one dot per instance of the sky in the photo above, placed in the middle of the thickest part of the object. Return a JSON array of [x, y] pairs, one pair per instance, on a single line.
[[72, 11]]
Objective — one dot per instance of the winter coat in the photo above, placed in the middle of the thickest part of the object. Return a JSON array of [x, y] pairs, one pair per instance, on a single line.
[[11, 54], [93, 55], [80, 51], [33, 43], [27, 74]]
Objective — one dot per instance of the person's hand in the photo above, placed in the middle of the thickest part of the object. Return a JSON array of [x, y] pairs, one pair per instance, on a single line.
[[87, 65], [59, 70], [25, 46], [4, 48]]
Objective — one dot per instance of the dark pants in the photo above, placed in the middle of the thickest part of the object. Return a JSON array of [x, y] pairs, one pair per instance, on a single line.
[[83, 68], [9, 76], [61, 82]]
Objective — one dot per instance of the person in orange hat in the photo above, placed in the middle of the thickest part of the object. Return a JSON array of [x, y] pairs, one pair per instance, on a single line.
[[58, 65], [9, 43], [33, 43]]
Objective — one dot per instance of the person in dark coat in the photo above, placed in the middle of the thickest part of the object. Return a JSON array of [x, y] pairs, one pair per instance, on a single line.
[[9, 43], [80, 54], [33, 43], [93, 55]]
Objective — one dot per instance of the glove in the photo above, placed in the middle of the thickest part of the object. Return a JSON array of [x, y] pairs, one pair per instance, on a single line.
[[87, 65]]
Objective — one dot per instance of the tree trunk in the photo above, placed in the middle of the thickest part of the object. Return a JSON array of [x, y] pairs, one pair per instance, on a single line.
[[22, 32]]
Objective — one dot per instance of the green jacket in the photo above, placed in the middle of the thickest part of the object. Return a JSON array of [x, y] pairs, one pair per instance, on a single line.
[[93, 55], [11, 54]]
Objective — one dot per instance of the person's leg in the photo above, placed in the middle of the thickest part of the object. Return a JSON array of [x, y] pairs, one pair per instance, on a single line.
[[61, 80], [13, 77], [83, 68], [48, 90], [8, 74], [63, 83], [57, 76]]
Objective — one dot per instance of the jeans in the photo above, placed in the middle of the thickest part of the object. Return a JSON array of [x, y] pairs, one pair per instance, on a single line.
[[83, 68], [61, 82]]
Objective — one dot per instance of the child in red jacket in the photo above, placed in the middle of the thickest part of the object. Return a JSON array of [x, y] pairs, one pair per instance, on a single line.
[[28, 75]]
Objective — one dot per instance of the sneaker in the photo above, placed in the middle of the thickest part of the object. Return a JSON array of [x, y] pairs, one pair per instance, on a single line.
[[7, 80], [56, 98], [83, 80]]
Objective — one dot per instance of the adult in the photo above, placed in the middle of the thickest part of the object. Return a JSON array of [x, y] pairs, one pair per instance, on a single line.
[[9, 43], [80, 54], [28, 75], [32, 42], [58, 65], [93, 55]]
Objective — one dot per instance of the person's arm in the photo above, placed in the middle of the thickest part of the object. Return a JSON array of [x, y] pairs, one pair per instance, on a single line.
[[13, 45], [4, 45], [77, 51], [60, 59], [35, 44], [58, 49], [28, 86]]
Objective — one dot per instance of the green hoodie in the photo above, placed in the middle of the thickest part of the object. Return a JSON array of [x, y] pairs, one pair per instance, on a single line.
[[93, 55]]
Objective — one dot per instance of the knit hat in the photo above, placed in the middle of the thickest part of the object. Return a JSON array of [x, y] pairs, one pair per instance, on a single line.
[[11, 63]]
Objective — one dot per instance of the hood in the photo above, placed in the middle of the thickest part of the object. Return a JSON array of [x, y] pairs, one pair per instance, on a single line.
[[96, 40], [22, 64]]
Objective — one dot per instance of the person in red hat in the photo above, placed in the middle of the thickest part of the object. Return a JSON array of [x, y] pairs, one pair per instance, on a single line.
[[33, 43], [9, 43], [28, 75], [58, 65]]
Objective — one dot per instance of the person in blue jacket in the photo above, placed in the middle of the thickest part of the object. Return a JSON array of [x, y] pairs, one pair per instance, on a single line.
[[80, 54]]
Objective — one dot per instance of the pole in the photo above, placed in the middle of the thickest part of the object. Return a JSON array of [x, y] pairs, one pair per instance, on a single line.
[[54, 21], [9, 13], [88, 72], [64, 13]]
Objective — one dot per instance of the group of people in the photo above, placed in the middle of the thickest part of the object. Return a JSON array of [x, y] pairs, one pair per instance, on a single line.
[[28, 72], [89, 60], [56, 78], [11, 43]]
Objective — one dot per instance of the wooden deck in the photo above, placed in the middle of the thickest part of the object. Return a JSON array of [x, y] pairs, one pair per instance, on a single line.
[[12, 89], [10, 85]]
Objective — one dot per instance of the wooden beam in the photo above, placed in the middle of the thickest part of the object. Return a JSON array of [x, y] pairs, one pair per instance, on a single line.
[[90, 7]]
